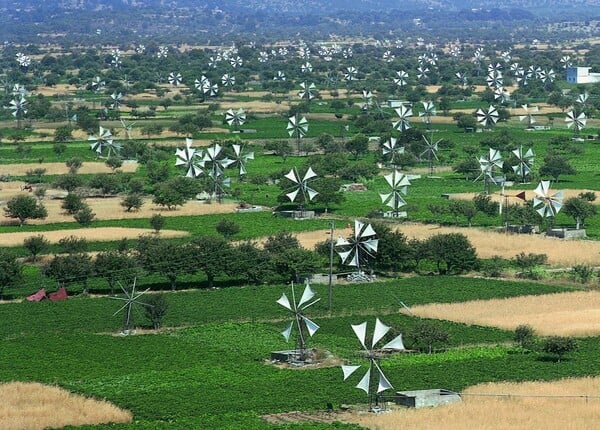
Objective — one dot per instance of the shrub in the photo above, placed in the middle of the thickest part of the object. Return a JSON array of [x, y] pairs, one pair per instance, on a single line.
[[156, 309], [559, 346], [525, 336]]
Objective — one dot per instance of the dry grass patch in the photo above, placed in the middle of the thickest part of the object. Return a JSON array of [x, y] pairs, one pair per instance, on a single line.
[[490, 243], [529, 195], [90, 234], [33, 406], [564, 314], [61, 168], [500, 413]]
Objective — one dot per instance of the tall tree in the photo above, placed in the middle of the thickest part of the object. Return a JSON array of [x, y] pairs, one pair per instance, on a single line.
[[24, 207]]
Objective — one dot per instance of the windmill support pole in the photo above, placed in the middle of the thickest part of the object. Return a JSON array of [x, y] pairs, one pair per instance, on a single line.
[[330, 285]]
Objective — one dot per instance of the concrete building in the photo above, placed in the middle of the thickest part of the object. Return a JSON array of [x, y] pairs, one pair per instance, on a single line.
[[581, 75]]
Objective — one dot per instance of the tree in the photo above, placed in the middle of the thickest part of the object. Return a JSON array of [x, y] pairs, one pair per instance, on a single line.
[[115, 267], [73, 244], [525, 336], [227, 228], [358, 145], [167, 259], [579, 209], [132, 201], [465, 121], [251, 263], [452, 253], [63, 134], [559, 346], [36, 245], [68, 269], [281, 148], [483, 203], [59, 148], [113, 162], [24, 207], [469, 168], [156, 309], [463, 208], [84, 216], [556, 165], [393, 251], [213, 255], [292, 263], [74, 164], [426, 334], [11, 271], [157, 221], [280, 242], [72, 203], [329, 192], [69, 182]]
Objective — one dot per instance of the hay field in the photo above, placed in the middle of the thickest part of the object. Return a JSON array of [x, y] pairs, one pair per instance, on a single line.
[[90, 234], [488, 243], [567, 314], [33, 406], [529, 195], [500, 413], [61, 168]]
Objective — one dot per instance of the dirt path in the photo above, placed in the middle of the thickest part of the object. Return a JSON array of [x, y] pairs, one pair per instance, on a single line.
[[61, 168]]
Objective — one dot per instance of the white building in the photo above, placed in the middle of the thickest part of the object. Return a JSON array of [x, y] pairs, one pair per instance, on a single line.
[[581, 75]]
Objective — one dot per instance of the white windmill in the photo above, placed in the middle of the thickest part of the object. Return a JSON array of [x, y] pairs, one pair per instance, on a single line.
[[401, 78], [104, 140], [297, 127], [398, 183], [214, 162], [240, 158], [430, 152], [304, 325], [18, 106], [235, 118], [350, 74], [117, 99], [127, 126], [576, 121], [427, 112], [391, 148], [546, 203], [374, 380], [228, 80], [189, 159], [175, 79], [301, 187], [131, 299], [487, 118], [524, 162], [307, 91], [358, 249], [367, 99], [306, 67], [404, 113], [488, 165], [529, 111]]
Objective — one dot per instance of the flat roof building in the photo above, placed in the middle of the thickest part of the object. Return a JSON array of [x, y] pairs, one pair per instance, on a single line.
[[581, 75]]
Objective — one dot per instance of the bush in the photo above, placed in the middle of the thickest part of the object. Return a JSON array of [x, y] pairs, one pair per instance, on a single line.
[[559, 346], [494, 267], [582, 273], [529, 265], [156, 309], [426, 334], [525, 336]]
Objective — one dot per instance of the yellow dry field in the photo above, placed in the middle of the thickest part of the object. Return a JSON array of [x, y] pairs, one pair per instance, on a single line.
[[61, 168], [56, 90], [90, 234], [566, 314], [501, 413], [488, 243], [33, 406], [529, 195]]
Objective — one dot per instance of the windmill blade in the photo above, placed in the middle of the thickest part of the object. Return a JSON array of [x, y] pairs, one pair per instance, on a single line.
[[371, 245], [288, 331], [285, 302], [307, 295], [310, 326], [309, 174], [367, 231], [383, 384], [365, 382], [344, 256], [349, 370], [380, 331], [292, 176], [395, 344], [361, 332]]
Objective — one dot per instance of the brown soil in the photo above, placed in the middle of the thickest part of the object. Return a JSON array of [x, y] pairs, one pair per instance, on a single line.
[[61, 168], [33, 406], [90, 234]]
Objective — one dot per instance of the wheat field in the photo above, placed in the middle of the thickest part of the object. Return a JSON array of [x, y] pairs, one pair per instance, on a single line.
[[501, 413], [33, 406], [565, 314]]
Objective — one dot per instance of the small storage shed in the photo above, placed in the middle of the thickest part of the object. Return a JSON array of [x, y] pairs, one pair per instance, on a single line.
[[426, 398]]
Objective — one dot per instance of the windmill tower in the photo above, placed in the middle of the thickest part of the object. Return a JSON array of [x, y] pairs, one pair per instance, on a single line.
[[374, 380], [357, 250]]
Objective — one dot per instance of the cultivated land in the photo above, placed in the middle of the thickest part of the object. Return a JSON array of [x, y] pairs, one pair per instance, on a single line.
[[564, 404], [567, 314]]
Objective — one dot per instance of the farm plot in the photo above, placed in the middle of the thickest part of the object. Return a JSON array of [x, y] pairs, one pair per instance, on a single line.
[[90, 234], [33, 406], [565, 314], [533, 405], [490, 243], [21, 169]]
